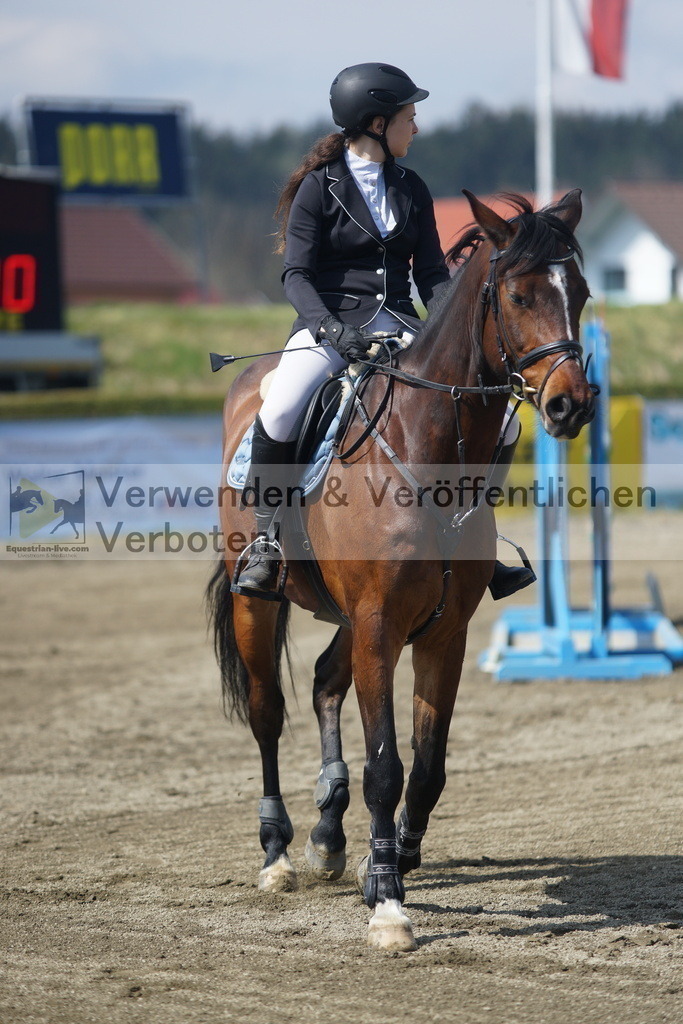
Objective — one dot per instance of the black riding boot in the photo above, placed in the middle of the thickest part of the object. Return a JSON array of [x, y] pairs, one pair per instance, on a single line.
[[259, 576], [508, 579]]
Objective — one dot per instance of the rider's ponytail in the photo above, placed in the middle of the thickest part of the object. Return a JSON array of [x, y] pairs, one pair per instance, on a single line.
[[329, 148]]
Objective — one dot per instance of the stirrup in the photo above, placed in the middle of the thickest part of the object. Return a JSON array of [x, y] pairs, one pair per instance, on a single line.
[[278, 592], [519, 577]]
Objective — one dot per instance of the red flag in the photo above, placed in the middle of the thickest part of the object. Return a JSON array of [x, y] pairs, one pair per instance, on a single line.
[[608, 30], [589, 36]]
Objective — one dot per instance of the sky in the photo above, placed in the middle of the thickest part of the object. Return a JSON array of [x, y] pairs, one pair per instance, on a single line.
[[250, 65]]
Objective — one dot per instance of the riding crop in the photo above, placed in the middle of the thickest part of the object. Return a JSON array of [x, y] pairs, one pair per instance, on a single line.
[[218, 361]]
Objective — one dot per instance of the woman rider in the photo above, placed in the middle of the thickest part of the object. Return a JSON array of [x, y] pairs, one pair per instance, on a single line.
[[353, 223]]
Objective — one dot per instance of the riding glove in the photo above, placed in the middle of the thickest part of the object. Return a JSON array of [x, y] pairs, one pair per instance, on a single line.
[[345, 339]]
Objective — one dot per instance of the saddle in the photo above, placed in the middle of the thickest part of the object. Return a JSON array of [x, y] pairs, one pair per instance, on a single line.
[[321, 412]]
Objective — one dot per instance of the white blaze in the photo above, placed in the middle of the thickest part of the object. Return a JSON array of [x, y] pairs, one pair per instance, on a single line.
[[558, 278]]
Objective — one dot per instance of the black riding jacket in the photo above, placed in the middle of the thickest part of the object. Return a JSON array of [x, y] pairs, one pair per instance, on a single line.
[[336, 260]]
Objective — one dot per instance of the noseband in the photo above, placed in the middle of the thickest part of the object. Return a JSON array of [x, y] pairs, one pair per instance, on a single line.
[[566, 348]]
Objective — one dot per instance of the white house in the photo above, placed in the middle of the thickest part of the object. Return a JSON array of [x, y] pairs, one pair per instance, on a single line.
[[633, 243]]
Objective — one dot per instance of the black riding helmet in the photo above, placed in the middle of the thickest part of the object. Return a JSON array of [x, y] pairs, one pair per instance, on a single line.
[[364, 91]]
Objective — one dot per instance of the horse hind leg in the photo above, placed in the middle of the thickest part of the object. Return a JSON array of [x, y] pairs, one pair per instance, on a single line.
[[266, 709], [326, 846], [249, 636]]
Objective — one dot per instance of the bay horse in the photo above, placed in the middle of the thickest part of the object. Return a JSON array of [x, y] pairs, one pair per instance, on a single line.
[[509, 320]]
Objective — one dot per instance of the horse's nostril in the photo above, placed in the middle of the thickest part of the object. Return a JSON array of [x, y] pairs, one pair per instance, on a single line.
[[558, 407]]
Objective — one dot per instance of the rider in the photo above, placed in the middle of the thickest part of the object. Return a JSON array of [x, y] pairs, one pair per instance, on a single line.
[[353, 223]]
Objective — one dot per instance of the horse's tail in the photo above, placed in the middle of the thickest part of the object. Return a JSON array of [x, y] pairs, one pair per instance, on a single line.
[[234, 675]]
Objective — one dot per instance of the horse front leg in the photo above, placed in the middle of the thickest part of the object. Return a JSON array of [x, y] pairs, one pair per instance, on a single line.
[[255, 625], [437, 675], [375, 653], [326, 846]]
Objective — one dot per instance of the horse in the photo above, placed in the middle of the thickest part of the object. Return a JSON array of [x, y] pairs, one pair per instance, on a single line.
[[507, 322], [25, 500], [73, 512]]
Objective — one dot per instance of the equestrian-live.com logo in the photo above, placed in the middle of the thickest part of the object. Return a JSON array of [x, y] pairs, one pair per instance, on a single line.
[[48, 513]]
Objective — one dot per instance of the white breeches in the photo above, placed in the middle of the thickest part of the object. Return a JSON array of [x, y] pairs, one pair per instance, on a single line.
[[304, 365], [300, 370]]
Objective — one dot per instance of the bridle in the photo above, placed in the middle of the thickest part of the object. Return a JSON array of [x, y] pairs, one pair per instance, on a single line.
[[566, 348]]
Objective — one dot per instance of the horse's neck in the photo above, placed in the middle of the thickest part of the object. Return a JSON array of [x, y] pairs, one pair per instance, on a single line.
[[450, 355]]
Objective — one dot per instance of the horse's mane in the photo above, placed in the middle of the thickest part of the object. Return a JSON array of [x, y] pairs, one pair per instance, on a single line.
[[540, 237]]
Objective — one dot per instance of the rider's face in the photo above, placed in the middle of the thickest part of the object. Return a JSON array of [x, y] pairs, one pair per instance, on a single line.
[[400, 131]]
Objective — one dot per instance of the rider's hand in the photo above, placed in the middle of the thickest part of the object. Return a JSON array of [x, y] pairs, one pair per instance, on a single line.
[[345, 339]]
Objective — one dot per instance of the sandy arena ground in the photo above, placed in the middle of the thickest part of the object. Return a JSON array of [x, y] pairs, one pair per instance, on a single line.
[[552, 882]]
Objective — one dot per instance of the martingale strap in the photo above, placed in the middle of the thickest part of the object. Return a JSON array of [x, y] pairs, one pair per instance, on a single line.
[[450, 528]]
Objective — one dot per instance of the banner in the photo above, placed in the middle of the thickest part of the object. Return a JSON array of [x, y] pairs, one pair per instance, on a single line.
[[589, 36], [663, 450]]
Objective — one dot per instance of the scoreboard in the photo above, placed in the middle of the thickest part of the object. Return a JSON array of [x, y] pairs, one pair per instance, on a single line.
[[30, 274], [129, 154]]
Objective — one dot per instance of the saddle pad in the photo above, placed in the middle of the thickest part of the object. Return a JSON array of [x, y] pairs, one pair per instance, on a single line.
[[313, 473]]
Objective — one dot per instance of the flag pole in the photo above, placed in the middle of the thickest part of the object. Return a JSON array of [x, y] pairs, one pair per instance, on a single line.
[[545, 169], [552, 525]]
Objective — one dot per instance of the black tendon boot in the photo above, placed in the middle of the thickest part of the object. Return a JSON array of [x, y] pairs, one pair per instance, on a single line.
[[508, 579], [259, 576]]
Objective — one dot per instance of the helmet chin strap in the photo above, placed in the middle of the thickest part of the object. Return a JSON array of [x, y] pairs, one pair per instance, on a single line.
[[382, 139]]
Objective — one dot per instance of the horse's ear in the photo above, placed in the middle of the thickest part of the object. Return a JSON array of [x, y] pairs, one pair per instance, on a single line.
[[569, 209], [492, 224]]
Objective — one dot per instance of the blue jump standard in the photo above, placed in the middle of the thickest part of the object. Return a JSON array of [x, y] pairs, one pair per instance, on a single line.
[[554, 640], [522, 647]]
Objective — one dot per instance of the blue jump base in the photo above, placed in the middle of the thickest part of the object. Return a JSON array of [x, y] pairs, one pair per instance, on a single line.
[[638, 642], [553, 640]]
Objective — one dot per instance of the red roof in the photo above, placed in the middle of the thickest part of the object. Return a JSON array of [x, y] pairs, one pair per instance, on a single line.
[[113, 251], [454, 215]]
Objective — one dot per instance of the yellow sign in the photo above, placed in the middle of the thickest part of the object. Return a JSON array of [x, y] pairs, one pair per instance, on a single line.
[[626, 448], [108, 154]]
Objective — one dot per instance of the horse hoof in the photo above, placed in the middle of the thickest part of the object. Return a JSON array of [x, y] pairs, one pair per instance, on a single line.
[[362, 875], [278, 877], [323, 864], [390, 929]]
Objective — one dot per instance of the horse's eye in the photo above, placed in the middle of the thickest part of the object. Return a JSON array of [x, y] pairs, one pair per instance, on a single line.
[[518, 300]]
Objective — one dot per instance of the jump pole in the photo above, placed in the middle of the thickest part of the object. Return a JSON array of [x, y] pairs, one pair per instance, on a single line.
[[552, 640]]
